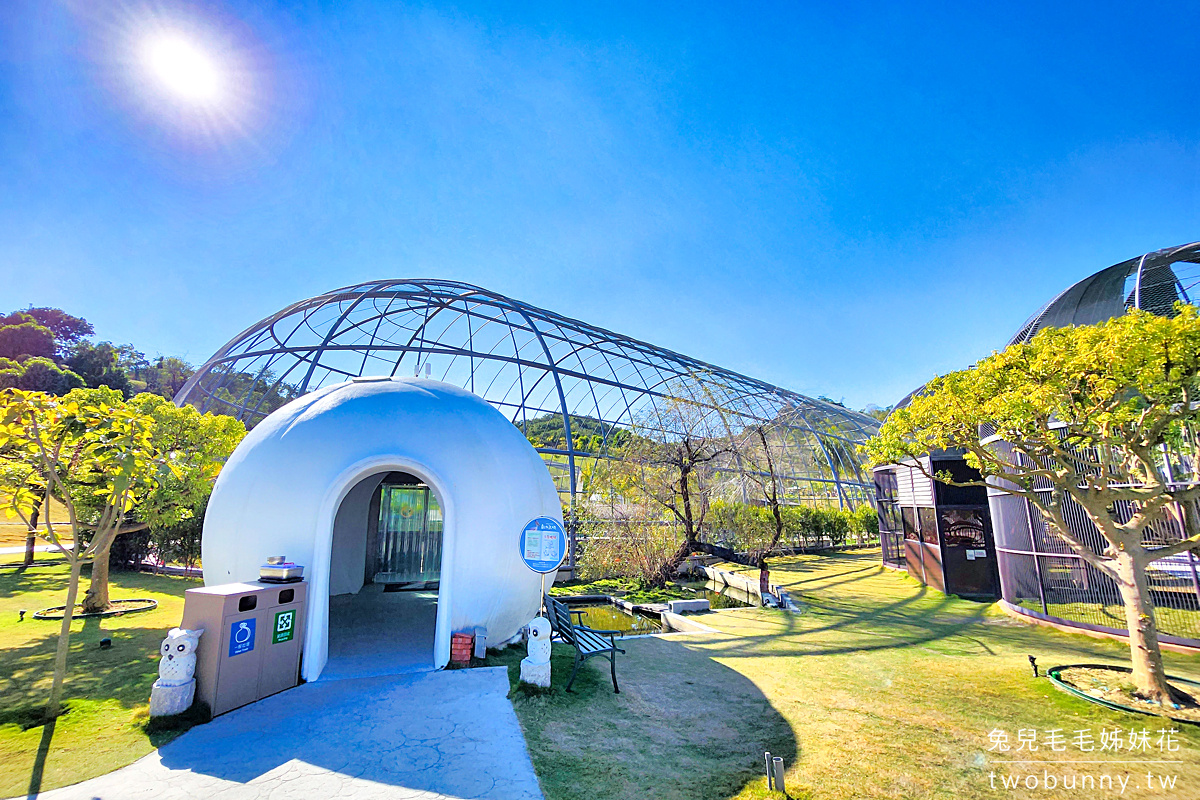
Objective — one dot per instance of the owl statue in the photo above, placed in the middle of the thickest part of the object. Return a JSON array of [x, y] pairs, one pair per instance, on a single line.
[[539, 641], [178, 662]]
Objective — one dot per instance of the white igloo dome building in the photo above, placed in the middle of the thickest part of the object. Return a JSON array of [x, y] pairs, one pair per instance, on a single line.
[[405, 500]]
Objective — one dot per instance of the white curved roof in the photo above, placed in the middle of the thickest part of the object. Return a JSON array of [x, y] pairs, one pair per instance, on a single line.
[[281, 489]]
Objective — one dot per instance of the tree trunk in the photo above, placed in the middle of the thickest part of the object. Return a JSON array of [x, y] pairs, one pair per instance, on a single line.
[[54, 704], [667, 571], [1148, 674], [96, 598], [31, 537]]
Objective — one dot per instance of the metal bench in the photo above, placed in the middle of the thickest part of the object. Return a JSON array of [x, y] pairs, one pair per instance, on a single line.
[[588, 642]]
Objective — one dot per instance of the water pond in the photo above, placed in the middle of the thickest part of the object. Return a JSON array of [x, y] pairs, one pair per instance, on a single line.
[[719, 596], [603, 616]]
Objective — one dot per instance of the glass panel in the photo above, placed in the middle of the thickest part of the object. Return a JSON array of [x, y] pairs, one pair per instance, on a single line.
[[909, 518], [928, 525], [410, 535]]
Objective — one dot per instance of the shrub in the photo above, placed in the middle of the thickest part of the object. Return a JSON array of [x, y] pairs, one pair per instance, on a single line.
[[627, 548]]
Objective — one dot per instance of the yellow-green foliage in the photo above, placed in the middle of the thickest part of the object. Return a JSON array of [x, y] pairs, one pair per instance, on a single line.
[[1128, 383]]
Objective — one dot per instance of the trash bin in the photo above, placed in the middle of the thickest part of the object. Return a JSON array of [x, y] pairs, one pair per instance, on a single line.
[[251, 646], [283, 638]]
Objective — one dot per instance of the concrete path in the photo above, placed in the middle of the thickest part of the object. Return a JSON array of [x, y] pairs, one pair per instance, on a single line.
[[380, 633], [37, 548], [417, 737]]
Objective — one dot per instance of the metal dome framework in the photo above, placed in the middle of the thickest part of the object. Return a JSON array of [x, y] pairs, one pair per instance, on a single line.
[[1153, 282], [542, 370]]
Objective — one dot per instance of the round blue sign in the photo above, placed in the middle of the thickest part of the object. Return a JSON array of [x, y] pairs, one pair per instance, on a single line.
[[543, 544]]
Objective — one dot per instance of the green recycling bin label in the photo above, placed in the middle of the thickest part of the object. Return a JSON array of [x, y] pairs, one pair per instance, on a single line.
[[285, 626]]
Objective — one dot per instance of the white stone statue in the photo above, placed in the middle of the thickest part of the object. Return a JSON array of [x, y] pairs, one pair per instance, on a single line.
[[535, 667], [175, 688]]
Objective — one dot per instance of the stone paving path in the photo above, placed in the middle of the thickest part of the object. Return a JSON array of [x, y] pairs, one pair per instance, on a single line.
[[418, 737]]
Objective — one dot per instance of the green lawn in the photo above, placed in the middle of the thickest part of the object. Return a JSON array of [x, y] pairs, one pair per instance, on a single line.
[[881, 688], [107, 691], [1175, 621]]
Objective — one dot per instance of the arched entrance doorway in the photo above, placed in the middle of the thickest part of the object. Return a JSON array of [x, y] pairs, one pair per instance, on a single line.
[[385, 577]]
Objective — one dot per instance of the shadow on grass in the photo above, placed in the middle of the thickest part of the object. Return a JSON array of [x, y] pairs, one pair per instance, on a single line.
[[103, 689], [39, 760], [683, 726], [841, 619]]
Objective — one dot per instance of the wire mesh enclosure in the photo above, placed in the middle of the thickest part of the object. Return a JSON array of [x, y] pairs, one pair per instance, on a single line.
[[1039, 572], [577, 391]]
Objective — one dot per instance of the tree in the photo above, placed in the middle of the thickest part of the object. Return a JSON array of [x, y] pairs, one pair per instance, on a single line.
[[99, 365], [198, 445], [47, 444], [1080, 417], [68, 330], [22, 337], [674, 451], [167, 375], [195, 446], [43, 375], [759, 459]]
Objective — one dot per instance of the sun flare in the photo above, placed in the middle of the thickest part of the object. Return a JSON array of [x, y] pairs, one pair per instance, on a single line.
[[183, 69]]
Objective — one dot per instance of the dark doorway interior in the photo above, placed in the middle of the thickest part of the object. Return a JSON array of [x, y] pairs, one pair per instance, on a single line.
[[383, 615]]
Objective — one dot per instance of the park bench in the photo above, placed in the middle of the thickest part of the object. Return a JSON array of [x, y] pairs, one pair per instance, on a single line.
[[587, 642]]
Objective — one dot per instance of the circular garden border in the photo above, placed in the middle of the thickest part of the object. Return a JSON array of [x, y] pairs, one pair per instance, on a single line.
[[1053, 673], [146, 604]]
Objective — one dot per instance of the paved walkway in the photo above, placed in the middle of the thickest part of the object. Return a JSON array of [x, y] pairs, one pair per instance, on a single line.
[[37, 548], [418, 737]]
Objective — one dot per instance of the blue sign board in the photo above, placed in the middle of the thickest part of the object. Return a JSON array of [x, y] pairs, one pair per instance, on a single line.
[[543, 544], [241, 639]]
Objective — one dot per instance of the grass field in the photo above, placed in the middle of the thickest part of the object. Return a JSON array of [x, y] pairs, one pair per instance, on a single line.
[[107, 691], [13, 530], [1175, 621], [881, 688]]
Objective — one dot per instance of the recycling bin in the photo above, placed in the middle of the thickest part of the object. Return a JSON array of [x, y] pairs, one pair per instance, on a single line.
[[252, 641], [285, 618]]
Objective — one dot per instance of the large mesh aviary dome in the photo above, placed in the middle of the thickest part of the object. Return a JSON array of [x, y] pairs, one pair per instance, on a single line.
[[573, 388], [1153, 282]]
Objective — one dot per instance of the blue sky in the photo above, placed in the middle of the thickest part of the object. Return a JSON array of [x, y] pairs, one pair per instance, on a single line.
[[840, 201]]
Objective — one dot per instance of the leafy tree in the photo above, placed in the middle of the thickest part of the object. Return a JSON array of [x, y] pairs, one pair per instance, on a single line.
[[22, 337], [865, 522], [165, 376], [179, 543], [68, 330], [99, 365], [588, 434], [195, 446], [40, 375], [1080, 417], [73, 449], [261, 393]]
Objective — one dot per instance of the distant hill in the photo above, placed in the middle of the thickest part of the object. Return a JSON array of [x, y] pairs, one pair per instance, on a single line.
[[587, 433]]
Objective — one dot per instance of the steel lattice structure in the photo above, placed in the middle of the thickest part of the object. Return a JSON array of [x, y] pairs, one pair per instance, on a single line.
[[1153, 282], [545, 372]]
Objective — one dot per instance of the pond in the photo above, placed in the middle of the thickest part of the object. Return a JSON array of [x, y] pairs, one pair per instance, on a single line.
[[720, 596], [603, 616]]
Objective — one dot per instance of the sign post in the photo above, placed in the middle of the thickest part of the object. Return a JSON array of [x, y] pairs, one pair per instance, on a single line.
[[543, 546]]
